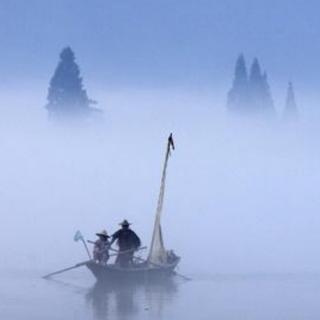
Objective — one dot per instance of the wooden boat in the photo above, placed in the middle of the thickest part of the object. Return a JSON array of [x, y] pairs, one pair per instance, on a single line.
[[136, 272], [160, 262]]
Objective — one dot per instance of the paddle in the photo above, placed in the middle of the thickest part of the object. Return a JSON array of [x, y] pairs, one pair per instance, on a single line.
[[78, 265], [117, 251], [127, 251], [181, 276]]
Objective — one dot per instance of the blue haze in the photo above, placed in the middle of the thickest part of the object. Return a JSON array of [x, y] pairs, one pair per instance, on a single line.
[[160, 43], [157, 67]]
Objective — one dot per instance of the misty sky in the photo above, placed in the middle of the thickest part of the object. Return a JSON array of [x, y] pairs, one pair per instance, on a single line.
[[160, 43]]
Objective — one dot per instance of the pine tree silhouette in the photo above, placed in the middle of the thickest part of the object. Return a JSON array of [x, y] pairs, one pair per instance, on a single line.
[[238, 94], [267, 101], [261, 101], [255, 87], [250, 95], [290, 112], [66, 95]]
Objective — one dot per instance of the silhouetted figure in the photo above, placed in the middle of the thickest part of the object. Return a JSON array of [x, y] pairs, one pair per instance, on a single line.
[[128, 242], [101, 248], [66, 96], [290, 113]]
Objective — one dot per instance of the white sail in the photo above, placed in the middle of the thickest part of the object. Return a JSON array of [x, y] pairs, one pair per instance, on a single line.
[[157, 253]]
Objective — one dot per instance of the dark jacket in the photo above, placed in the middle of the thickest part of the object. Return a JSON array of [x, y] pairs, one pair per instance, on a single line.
[[126, 239]]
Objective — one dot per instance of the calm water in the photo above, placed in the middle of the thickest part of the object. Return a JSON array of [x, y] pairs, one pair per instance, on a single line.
[[24, 295]]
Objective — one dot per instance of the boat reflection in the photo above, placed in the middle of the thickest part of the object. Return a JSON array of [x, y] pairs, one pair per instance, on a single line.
[[127, 300]]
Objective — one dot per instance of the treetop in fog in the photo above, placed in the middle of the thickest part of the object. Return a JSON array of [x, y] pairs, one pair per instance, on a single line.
[[66, 94], [250, 93]]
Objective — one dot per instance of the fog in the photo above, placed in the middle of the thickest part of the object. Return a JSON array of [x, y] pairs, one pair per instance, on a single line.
[[241, 196], [241, 202]]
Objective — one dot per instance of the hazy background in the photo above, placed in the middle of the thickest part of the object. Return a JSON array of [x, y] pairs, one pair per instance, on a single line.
[[241, 198], [160, 43]]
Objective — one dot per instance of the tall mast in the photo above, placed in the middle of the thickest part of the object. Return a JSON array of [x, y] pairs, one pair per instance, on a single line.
[[157, 252]]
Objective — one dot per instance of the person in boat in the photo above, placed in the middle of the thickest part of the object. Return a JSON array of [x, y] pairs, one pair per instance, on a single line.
[[101, 247], [128, 242]]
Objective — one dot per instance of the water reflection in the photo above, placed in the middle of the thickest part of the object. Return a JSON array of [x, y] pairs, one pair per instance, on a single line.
[[126, 300]]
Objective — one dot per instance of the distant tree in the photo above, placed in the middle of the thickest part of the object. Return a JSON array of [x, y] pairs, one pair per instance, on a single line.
[[250, 95], [260, 96], [238, 94], [256, 86], [268, 105], [66, 95], [290, 112]]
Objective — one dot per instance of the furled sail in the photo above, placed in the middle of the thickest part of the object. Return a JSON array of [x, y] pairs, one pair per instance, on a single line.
[[158, 253]]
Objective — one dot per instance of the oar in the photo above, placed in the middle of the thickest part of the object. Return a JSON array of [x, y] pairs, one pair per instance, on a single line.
[[160, 266], [78, 265], [117, 252], [181, 276], [120, 252], [75, 266], [127, 251]]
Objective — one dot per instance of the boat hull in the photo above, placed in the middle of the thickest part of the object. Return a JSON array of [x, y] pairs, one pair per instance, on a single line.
[[139, 272]]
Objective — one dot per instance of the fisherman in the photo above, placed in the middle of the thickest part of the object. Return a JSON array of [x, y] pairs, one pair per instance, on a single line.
[[128, 242], [101, 248]]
